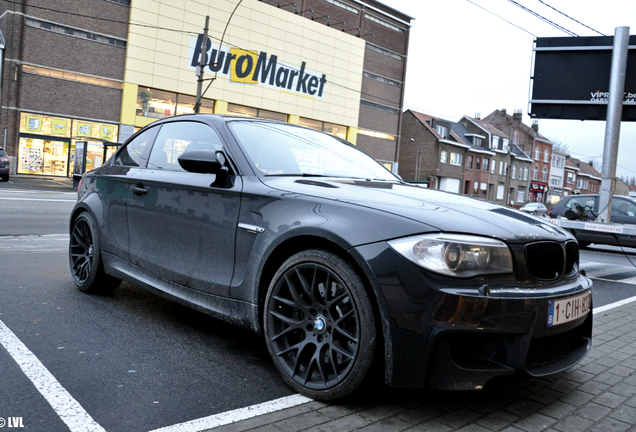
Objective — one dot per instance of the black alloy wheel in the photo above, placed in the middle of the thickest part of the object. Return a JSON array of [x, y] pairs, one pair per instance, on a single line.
[[85, 258], [319, 325]]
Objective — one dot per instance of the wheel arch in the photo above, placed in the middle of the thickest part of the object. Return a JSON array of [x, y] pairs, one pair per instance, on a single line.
[[293, 245]]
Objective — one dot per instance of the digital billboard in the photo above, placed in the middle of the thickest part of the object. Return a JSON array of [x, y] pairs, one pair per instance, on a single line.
[[571, 78]]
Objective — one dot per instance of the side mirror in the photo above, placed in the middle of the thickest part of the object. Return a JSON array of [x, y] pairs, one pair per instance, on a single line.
[[205, 161], [202, 161]]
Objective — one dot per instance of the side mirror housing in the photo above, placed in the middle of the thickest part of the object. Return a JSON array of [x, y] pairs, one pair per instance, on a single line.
[[204, 161]]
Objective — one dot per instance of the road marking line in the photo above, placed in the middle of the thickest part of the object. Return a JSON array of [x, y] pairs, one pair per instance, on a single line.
[[236, 415], [37, 199], [64, 405], [614, 305], [629, 281]]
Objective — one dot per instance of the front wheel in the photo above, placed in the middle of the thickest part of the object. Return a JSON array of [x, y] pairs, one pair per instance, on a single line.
[[319, 325], [85, 258]]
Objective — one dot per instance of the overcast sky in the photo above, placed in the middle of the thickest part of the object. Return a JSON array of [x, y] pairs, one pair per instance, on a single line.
[[464, 60]]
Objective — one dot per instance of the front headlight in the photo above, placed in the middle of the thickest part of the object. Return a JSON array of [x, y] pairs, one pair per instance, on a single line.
[[455, 254]]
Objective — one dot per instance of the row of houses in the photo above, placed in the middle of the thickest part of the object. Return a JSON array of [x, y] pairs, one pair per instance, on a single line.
[[497, 158]]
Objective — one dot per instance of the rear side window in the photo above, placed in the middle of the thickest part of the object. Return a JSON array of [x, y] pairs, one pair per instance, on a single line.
[[135, 153], [623, 207], [582, 201], [176, 138]]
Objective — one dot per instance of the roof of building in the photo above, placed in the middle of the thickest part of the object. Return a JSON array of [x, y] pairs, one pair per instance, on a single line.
[[461, 132], [525, 128], [518, 153], [585, 168], [484, 125]]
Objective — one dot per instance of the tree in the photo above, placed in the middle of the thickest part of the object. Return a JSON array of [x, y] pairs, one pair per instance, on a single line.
[[560, 147]]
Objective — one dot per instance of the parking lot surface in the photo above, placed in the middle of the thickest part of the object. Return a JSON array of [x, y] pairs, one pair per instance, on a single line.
[[599, 394]]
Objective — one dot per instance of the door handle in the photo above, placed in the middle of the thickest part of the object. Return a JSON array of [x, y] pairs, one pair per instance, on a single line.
[[139, 190]]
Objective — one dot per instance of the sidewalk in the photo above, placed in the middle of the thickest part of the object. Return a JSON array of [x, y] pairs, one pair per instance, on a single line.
[[36, 182], [599, 394]]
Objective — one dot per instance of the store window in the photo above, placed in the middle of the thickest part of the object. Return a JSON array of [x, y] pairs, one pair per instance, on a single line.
[[47, 144], [330, 128], [159, 104], [255, 112]]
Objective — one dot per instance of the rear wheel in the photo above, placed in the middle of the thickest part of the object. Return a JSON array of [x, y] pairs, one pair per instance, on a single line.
[[85, 258], [319, 325]]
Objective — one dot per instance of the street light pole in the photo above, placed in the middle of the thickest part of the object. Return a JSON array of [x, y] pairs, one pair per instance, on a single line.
[[202, 64], [613, 122]]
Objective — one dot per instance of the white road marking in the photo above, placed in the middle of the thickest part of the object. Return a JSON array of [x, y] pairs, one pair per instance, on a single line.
[[237, 415], [37, 199], [614, 305], [64, 405]]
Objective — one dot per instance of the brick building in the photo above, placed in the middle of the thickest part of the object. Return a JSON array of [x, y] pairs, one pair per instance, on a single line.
[[538, 147], [62, 80], [431, 152], [97, 70], [499, 163], [588, 179]]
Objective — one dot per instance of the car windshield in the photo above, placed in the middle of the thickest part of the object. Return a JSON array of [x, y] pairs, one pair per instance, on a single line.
[[287, 150], [2, 153]]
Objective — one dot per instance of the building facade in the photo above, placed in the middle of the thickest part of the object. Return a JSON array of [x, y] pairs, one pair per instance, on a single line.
[[385, 33], [498, 143], [62, 79], [588, 179], [431, 153], [528, 139], [110, 67], [557, 176]]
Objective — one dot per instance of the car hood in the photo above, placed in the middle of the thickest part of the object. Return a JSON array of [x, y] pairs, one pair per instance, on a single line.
[[440, 210]]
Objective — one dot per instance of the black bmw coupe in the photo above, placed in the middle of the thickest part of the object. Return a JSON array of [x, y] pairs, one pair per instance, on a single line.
[[338, 263]]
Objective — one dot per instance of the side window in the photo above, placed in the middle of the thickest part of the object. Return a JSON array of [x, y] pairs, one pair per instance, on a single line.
[[176, 138], [623, 207], [582, 201], [135, 153]]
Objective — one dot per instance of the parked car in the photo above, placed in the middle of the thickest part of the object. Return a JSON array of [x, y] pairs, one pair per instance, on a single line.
[[585, 207], [537, 209], [340, 265], [5, 165]]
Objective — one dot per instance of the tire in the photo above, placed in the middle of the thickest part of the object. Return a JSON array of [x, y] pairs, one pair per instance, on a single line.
[[85, 258], [321, 341]]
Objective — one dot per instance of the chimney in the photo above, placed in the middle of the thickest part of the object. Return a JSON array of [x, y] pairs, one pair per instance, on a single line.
[[477, 116], [535, 126], [516, 119]]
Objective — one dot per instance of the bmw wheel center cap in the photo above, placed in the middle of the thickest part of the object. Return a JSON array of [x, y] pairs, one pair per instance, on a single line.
[[320, 324]]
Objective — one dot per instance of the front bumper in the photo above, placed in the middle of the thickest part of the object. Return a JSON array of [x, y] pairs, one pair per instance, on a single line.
[[457, 334]]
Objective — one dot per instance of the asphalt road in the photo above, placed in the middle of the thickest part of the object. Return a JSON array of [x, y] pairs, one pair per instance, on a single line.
[[133, 360], [33, 205]]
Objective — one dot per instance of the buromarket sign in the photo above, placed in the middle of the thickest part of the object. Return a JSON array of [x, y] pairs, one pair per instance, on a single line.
[[252, 67]]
